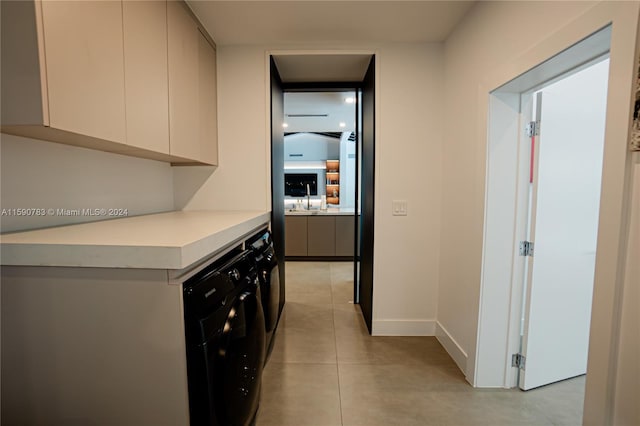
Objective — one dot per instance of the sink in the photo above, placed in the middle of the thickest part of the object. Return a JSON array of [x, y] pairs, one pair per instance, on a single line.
[[303, 212]]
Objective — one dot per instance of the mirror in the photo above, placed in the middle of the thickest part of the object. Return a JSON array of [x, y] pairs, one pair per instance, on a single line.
[[319, 140]]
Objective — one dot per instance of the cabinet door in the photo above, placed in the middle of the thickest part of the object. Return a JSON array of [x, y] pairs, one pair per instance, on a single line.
[[183, 82], [207, 101], [322, 236], [295, 232], [85, 69], [145, 72], [345, 230], [24, 92]]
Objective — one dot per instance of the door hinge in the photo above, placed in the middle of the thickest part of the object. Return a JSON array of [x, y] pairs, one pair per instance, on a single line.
[[526, 248], [518, 361], [533, 128]]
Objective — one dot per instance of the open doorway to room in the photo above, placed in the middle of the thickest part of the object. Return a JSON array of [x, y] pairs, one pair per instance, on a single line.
[[320, 174], [305, 192], [562, 205], [545, 156]]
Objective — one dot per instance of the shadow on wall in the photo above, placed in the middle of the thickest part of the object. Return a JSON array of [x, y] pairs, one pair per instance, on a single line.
[[63, 181], [187, 181]]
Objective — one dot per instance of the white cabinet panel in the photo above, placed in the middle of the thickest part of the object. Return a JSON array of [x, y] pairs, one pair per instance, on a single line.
[[85, 67], [207, 98], [183, 82], [145, 66], [133, 77]]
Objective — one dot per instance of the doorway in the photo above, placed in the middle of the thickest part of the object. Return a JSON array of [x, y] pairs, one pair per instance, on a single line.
[[510, 191], [320, 147], [362, 66], [562, 207]]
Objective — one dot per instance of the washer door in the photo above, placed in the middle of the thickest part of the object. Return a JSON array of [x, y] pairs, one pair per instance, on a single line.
[[236, 370]]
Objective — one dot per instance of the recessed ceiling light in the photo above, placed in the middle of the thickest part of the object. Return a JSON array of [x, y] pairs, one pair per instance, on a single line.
[[343, 124], [285, 125], [349, 100]]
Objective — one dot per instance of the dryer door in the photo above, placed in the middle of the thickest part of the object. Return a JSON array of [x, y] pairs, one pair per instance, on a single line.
[[235, 364], [271, 290]]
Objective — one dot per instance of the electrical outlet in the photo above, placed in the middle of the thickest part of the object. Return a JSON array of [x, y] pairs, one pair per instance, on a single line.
[[399, 207]]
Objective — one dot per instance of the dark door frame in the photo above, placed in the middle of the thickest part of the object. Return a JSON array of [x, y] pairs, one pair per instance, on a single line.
[[363, 235], [367, 192], [277, 176]]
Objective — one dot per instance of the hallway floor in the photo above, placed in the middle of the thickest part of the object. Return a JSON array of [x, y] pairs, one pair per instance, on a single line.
[[325, 370]]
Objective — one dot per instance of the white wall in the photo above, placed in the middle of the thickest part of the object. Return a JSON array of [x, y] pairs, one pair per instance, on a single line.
[[38, 174], [409, 154], [313, 147], [242, 180], [489, 36], [489, 48], [626, 410], [408, 167]]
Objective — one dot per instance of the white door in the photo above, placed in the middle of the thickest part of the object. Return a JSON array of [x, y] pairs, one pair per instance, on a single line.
[[564, 224]]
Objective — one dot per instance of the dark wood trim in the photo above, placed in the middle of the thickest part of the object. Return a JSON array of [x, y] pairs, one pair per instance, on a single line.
[[357, 219], [277, 175], [367, 194]]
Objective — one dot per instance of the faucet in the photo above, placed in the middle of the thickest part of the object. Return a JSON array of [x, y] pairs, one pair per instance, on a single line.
[[308, 197]]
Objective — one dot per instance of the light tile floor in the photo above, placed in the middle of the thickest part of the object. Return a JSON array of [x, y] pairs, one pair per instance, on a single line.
[[325, 370]]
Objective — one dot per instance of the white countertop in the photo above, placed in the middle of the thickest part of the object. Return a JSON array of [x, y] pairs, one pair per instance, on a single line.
[[172, 240], [331, 211]]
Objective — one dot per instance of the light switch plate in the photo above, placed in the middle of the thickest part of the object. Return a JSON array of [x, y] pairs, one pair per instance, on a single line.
[[399, 207]]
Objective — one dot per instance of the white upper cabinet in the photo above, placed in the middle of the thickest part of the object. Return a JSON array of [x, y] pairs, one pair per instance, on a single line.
[[62, 66], [117, 76], [84, 65], [192, 88], [145, 71], [183, 81], [208, 101]]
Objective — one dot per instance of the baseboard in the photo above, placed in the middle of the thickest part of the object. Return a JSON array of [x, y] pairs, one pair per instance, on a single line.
[[401, 327], [452, 347]]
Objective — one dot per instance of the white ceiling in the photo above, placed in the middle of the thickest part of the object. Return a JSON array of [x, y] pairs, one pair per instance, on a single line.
[[322, 68], [308, 21], [327, 110], [312, 22]]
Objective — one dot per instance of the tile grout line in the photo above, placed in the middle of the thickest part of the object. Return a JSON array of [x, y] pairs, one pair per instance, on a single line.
[[496, 409], [335, 339]]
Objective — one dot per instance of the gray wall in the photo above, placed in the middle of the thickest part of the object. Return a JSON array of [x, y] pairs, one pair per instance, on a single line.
[[46, 175]]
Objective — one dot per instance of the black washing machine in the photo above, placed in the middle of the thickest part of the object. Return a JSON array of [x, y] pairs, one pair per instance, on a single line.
[[268, 273], [225, 339]]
